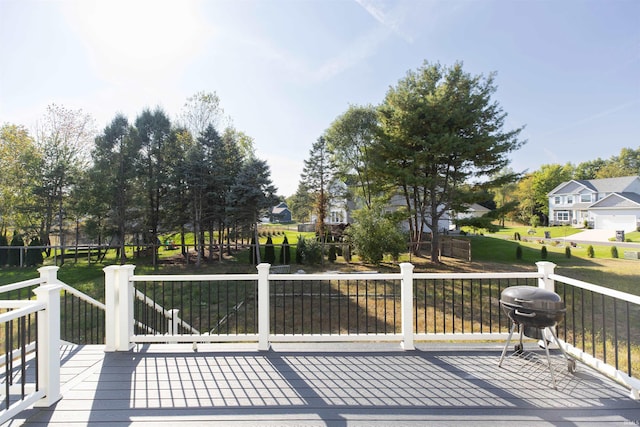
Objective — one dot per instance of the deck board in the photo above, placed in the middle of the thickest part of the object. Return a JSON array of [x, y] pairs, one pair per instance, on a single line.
[[346, 384]]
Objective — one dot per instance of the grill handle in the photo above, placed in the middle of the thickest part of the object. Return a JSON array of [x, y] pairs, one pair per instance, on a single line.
[[522, 300], [519, 313]]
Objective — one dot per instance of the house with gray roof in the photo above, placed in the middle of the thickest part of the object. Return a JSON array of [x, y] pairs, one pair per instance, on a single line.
[[604, 204], [280, 213]]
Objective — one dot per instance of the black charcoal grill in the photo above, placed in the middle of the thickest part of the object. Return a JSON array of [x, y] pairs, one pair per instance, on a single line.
[[533, 310]]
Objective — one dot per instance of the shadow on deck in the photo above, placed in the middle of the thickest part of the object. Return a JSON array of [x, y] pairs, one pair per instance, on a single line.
[[336, 385]]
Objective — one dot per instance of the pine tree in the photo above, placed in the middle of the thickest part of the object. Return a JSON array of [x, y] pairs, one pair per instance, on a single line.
[[34, 254], [14, 254], [285, 252], [269, 252]]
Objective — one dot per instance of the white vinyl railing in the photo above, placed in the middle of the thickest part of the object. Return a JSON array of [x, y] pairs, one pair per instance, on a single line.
[[44, 388], [120, 290]]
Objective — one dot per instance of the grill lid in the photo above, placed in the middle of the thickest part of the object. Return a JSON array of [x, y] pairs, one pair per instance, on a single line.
[[531, 297]]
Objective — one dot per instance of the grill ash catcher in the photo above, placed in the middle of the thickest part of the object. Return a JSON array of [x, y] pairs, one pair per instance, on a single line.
[[532, 310]]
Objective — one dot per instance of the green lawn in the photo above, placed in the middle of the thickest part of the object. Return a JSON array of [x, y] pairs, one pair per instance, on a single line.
[[489, 253]]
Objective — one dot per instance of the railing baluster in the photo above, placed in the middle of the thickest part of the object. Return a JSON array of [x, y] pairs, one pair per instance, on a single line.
[[604, 331], [628, 339], [615, 331]]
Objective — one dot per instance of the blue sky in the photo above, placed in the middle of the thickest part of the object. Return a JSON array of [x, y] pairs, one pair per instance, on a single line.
[[284, 70]]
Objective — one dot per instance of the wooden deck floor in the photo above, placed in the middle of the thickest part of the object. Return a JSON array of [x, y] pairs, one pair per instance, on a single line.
[[336, 385]]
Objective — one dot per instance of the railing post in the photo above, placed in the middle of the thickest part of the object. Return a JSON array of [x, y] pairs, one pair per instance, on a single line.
[[110, 302], [406, 305], [49, 338], [263, 306], [125, 308], [546, 268], [118, 300], [172, 322]]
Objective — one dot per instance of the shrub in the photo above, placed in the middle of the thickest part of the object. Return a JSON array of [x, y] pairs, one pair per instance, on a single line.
[[519, 252], [252, 251], [269, 252], [346, 253], [590, 252], [312, 252], [375, 234], [543, 252], [332, 253], [614, 252], [34, 255], [567, 252], [13, 257], [4, 252], [534, 221], [300, 249], [285, 252]]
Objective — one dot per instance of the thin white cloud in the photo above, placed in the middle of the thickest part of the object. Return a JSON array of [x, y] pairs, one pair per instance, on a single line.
[[591, 118], [363, 48], [391, 18]]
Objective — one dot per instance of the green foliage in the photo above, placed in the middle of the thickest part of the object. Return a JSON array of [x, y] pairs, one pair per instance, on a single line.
[[543, 252], [346, 253], [614, 252], [300, 249], [374, 234], [567, 252], [349, 140], [285, 252], [318, 174], [484, 222], [590, 251], [309, 251], [252, 252], [534, 221], [13, 258], [332, 256], [269, 252], [4, 252], [439, 128], [34, 255], [518, 252]]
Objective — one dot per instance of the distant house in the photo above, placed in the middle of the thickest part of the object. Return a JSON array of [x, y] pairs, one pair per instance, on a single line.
[[606, 204], [474, 211], [280, 213]]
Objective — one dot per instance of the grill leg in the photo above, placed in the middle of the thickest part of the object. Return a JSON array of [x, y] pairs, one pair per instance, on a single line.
[[571, 362], [504, 350], [546, 349]]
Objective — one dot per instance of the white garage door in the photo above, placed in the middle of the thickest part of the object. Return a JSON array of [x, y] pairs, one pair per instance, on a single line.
[[616, 222]]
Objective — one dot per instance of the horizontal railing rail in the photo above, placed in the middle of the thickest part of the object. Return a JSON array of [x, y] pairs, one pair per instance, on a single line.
[[457, 306], [30, 370], [602, 329], [275, 307], [19, 389]]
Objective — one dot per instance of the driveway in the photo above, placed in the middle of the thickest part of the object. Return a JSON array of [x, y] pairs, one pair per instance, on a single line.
[[600, 237], [593, 235]]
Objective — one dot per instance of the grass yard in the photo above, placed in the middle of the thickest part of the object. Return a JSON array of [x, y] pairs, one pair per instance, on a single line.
[[489, 253]]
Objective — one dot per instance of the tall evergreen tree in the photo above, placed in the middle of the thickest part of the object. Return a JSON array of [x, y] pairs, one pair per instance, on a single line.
[[114, 171], [317, 175], [252, 194], [154, 133], [440, 129]]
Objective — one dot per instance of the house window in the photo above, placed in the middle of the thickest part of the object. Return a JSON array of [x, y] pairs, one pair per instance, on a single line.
[[562, 216], [570, 200], [585, 197], [557, 200]]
